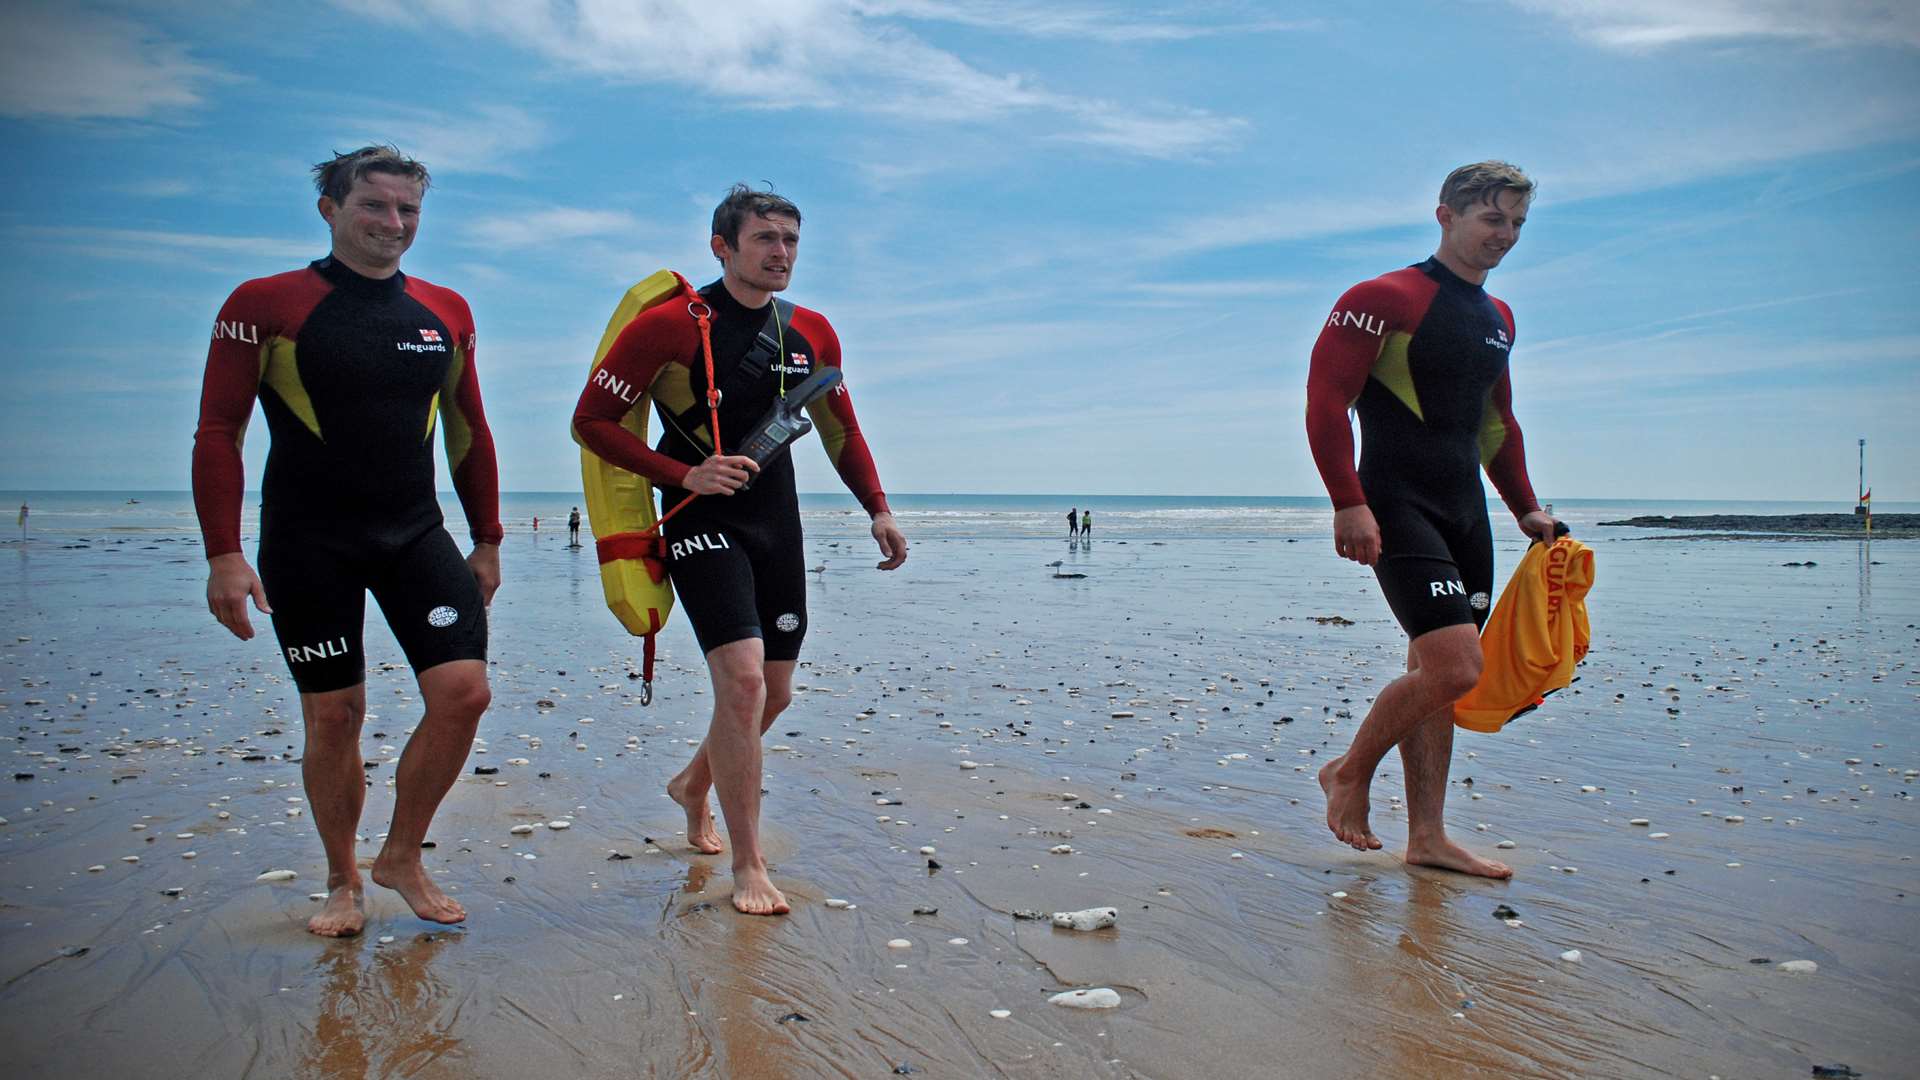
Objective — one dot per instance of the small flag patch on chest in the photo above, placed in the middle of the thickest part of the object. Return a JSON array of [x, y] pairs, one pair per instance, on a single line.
[[430, 335]]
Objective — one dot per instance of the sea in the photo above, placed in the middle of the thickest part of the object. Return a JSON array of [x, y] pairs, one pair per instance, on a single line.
[[69, 515]]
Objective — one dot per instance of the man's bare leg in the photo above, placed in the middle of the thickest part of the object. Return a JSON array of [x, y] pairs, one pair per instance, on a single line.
[[336, 785], [1446, 664], [739, 676], [456, 694], [689, 788], [1427, 756]]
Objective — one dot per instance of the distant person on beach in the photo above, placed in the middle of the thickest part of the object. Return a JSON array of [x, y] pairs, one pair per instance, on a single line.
[[536, 523], [573, 528], [1086, 524], [1073, 523], [735, 552], [1421, 355], [23, 521], [352, 361]]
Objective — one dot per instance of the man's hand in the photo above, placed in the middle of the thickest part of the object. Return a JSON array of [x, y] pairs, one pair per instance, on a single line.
[[893, 544], [1356, 535], [485, 564], [720, 475], [1539, 525], [230, 581]]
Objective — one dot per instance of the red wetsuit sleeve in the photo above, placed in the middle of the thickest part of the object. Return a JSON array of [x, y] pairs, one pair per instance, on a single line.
[[649, 343], [1502, 451], [227, 393], [839, 428], [1343, 358], [470, 452]]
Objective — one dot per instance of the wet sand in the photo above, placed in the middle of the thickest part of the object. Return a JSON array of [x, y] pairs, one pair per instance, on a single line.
[[1721, 687]]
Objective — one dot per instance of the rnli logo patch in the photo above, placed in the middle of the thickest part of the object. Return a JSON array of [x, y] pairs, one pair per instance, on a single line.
[[442, 617]]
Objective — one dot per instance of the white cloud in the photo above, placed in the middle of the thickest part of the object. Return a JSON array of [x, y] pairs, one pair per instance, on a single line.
[[780, 54], [489, 139], [1653, 24], [152, 245], [1115, 24], [539, 227], [62, 64]]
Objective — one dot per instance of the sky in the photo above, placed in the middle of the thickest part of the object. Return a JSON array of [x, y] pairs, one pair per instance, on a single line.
[[1079, 247]]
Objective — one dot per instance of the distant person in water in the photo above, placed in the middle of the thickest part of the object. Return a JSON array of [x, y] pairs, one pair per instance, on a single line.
[[1073, 524], [23, 521], [1086, 525], [573, 528]]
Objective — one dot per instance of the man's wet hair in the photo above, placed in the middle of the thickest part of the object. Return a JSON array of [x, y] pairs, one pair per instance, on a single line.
[[335, 178], [1483, 181], [741, 203]]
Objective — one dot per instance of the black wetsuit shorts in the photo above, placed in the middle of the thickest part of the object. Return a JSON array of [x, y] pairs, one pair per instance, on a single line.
[[1436, 568], [739, 577], [317, 583]]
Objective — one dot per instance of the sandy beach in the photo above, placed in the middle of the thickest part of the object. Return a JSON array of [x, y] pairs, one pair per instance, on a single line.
[[1728, 788]]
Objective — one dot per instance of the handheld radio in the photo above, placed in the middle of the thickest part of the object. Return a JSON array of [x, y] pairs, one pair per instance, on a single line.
[[786, 420]]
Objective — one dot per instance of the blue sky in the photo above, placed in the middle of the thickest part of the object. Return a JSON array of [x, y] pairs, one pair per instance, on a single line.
[[1078, 247]]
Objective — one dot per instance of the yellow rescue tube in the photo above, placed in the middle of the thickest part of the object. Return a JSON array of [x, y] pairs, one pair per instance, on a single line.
[[620, 503]]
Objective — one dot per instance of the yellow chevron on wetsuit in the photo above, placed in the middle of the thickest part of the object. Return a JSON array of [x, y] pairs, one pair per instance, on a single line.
[[1538, 633], [280, 371], [1493, 430], [1392, 370], [459, 433]]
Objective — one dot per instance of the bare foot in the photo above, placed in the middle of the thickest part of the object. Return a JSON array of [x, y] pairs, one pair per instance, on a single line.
[[1447, 855], [754, 894], [343, 915], [1347, 807], [701, 833], [410, 880]]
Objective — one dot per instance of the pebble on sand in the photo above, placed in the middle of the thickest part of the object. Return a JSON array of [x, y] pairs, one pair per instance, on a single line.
[[557, 825], [1799, 967], [1099, 997], [277, 875], [521, 830], [836, 903], [1506, 845], [969, 765], [899, 943], [1571, 956], [999, 1014], [1089, 919], [1061, 849]]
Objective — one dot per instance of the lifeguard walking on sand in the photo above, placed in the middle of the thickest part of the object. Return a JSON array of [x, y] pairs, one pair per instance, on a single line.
[[354, 364], [1421, 355]]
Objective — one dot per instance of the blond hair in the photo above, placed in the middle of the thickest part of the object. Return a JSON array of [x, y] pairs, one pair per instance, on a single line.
[[1483, 181]]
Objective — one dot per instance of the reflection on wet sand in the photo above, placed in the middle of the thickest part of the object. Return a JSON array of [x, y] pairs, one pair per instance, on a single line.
[[384, 1012]]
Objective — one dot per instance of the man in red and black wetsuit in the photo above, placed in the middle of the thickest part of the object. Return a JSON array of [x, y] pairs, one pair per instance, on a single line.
[[734, 553], [1421, 355], [354, 365]]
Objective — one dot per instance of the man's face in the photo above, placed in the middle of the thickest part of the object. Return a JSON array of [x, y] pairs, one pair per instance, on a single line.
[[1482, 234], [764, 259], [376, 223]]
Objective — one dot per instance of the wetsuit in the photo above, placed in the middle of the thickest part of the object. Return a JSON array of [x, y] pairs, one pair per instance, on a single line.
[[353, 375], [735, 560], [1421, 355]]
